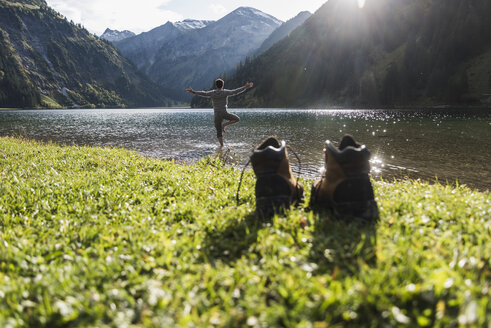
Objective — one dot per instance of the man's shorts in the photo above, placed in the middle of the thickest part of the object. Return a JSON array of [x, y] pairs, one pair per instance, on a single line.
[[219, 117]]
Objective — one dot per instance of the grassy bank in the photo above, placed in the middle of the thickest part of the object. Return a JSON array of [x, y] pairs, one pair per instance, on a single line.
[[105, 237]]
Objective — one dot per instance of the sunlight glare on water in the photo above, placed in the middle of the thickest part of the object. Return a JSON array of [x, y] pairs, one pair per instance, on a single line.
[[376, 165]]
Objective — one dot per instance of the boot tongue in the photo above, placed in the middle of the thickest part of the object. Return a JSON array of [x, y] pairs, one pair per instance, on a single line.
[[347, 141], [270, 141]]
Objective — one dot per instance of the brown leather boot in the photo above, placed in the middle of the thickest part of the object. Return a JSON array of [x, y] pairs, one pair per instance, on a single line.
[[276, 188], [345, 186]]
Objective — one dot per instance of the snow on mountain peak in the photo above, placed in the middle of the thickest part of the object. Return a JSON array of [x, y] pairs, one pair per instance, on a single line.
[[249, 11], [191, 24], [114, 35]]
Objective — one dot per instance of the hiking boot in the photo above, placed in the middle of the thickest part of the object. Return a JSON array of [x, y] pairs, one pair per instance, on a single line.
[[276, 188], [345, 186]]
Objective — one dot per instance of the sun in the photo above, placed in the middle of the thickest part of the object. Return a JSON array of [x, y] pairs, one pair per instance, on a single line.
[[361, 3]]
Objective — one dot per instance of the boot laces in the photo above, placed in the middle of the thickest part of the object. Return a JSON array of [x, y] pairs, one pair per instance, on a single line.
[[240, 181], [299, 169]]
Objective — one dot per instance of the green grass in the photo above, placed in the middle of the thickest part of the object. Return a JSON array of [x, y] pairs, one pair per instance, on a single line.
[[107, 238]]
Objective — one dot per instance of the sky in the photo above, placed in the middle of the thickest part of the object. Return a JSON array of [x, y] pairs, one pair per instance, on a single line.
[[143, 15]]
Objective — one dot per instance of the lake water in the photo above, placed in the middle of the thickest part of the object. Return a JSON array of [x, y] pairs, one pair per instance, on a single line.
[[448, 144]]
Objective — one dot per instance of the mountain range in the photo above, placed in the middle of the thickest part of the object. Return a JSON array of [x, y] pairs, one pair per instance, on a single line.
[[45, 61], [388, 53], [142, 49], [194, 53]]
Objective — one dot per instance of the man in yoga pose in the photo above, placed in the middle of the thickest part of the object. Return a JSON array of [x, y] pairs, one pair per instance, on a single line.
[[219, 98]]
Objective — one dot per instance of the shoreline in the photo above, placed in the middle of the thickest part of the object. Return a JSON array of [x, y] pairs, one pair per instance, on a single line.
[[389, 173], [412, 108]]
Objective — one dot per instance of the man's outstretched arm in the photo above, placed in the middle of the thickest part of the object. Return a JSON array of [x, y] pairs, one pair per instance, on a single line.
[[243, 88], [199, 93]]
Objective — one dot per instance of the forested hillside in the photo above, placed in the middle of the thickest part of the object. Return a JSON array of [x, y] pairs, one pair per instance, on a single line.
[[386, 53], [46, 61]]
